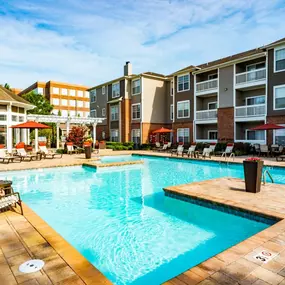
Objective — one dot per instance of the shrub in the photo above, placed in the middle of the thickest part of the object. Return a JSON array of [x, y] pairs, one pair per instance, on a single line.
[[61, 151], [146, 146], [77, 135], [120, 146]]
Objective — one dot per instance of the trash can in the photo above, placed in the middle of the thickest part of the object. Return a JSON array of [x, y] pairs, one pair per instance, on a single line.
[[87, 149]]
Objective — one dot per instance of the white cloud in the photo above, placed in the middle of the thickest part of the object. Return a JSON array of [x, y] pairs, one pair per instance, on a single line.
[[87, 42]]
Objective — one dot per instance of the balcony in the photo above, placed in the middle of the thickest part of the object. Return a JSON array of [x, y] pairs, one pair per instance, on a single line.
[[253, 112], [207, 87], [251, 78], [206, 115]]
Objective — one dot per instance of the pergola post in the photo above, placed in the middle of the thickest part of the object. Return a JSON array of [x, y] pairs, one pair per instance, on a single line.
[[67, 127], [37, 140], [57, 135], [28, 136], [94, 134]]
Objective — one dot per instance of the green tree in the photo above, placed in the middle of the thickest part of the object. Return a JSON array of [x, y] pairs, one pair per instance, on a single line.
[[7, 86], [43, 106], [59, 113]]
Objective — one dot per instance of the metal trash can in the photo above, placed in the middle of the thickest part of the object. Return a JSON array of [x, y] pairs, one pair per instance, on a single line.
[[88, 151]]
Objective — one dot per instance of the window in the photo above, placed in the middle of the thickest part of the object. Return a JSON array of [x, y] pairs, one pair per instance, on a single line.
[[64, 113], [86, 104], [3, 117], [116, 90], [114, 136], [213, 135], [279, 136], [255, 100], [3, 108], [14, 118], [93, 113], [136, 136], [183, 109], [255, 135], [255, 66], [136, 111], [103, 112], [171, 88], [183, 135], [212, 76], [183, 82], [72, 92], [40, 90], [80, 93], [3, 134], [86, 94], [93, 95], [79, 104], [171, 112], [279, 59], [136, 87], [63, 102], [80, 114], [86, 114], [55, 90], [55, 101], [72, 113], [103, 90], [212, 105], [279, 97], [72, 103], [63, 91], [115, 113], [21, 119]]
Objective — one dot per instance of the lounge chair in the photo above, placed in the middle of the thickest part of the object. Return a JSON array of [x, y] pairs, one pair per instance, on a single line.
[[9, 201], [280, 158], [71, 149], [48, 153], [164, 147], [178, 150], [21, 152], [264, 150], [212, 147], [190, 151], [5, 157], [229, 150], [207, 151]]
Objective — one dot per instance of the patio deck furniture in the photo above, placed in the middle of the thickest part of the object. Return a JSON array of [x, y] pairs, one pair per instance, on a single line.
[[190, 151], [21, 152], [5, 157], [10, 201], [264, 150], [178, 150], [229, 150], [280, 158], [48, 153]]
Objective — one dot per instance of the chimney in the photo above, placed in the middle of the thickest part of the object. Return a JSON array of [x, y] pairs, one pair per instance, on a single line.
[[128, 69]]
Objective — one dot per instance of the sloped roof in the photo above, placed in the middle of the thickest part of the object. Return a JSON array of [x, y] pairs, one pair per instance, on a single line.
[[7, 95]]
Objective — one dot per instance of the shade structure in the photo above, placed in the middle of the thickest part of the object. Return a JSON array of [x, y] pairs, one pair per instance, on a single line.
[[30, 125], [162, 131], [267, 127]]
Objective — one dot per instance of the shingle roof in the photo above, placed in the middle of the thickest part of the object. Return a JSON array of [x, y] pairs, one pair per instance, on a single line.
[[7, 95]]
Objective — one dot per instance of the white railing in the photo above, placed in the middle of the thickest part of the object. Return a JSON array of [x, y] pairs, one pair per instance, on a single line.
[[206, 85], [206, 115], [251, 76], [250, 111]]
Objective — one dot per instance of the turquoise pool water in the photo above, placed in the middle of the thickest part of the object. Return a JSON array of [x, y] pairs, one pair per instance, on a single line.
[[120, 220], [119, 158]]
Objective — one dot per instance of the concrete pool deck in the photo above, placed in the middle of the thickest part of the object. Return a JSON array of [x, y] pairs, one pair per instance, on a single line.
[[22, 237]]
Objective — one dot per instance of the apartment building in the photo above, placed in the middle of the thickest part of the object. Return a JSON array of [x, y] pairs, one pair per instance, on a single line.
[[67, 99], [134, 105], [220, 100]]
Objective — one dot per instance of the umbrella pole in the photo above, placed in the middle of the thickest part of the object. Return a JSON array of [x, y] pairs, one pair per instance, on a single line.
[[36, 140]]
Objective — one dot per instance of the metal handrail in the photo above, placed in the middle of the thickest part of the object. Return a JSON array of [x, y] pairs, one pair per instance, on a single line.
[[264, 177]]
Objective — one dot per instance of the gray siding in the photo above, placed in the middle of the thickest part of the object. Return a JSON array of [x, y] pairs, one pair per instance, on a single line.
[[274, 79], [202, 102], [226, 85], [101, 102]]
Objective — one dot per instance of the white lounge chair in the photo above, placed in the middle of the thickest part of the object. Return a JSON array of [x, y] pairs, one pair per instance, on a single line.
[[48, 153], [178, 151], [191, 150], [71, 149], [10, 200], [164, 147], [228, 151], [5, 157], [21, 152], [207, 151], [264, 150]]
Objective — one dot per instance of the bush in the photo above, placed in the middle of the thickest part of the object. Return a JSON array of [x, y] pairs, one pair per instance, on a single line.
[[61, 151], [146, 146], [120, 146], [242, 149]]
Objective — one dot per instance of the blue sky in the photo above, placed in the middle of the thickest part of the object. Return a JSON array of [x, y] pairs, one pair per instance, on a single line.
[[88, 41]]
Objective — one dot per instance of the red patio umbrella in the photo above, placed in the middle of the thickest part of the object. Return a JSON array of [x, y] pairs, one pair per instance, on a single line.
[[267, 127], [32, 125], [162, 130]]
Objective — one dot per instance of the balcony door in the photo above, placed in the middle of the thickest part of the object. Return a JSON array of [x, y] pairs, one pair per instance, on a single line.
[[252, 67]]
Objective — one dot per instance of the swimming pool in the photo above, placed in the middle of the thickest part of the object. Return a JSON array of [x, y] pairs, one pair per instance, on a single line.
[[119, 158], [120, 220]]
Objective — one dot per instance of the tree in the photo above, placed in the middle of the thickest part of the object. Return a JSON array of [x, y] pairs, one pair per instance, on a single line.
[[43, 106], [7, 86], [59, 113], [77, 135]]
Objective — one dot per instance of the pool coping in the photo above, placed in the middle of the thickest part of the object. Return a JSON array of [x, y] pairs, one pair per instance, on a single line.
[[77, 262], [112, 164]]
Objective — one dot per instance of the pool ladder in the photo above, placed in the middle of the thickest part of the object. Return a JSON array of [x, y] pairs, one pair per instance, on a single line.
[[264, 177]]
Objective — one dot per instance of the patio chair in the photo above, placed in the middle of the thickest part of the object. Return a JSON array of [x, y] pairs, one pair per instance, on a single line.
[[21, 152], [257, 148], [10, 201], [71, 149], [190, 151], [5, 157], [212, 147], [280, 158], [178, 150], [264, 150], [163, 148], [207, 151], [48, 153], [276, 149], [229, 150]]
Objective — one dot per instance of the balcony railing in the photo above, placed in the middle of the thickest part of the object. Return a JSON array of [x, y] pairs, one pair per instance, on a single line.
[[251, 111], [206, 85], [206, 115], [251, 76]]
